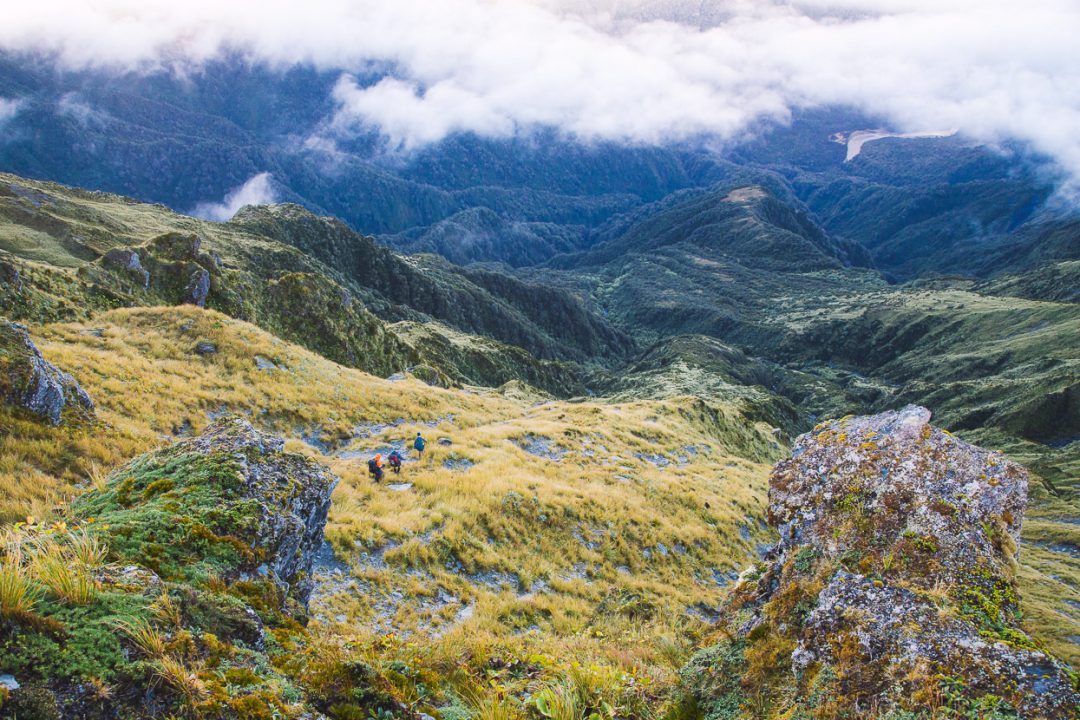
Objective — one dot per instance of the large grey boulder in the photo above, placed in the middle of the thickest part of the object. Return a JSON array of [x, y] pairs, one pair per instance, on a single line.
[[893, 585], [287, 494], [29, 381]]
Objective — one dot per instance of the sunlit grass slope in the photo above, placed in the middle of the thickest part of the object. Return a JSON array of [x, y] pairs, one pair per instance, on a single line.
[[582, 532]]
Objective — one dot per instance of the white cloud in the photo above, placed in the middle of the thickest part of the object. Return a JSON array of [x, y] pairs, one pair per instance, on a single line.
[[72, 106], [642, 71], [256, 191], [8, 108]]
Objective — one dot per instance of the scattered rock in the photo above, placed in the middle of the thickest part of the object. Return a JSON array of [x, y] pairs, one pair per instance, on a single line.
[[399, 487], [445, 442], [217, 413], [658, 460], [205, 348], [1058, 548], [896, 567], [263, 363], [131, 576], [703, 611], [723, 579], [184, 428], [541, 446], [314, 438], [458, 463], [31, 382]]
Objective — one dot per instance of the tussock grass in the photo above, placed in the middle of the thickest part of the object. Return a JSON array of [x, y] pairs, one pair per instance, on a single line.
[[86, 550], [181, 679], [38, 559], [599, 552], [584, 566], [145, 636], [19, 595], [560, 701], [64, 576]]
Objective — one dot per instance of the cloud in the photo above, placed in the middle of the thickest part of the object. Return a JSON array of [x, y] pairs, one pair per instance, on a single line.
[[256, 191], [72, 106], [8, 108], [641, 71]]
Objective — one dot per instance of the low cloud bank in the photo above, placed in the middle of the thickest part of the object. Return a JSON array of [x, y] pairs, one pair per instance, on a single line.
[[8, 108], [642, 71], [258, 190]]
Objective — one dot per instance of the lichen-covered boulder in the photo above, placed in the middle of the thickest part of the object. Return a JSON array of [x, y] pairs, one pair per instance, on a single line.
[[227, 504], [31, 382], [893, 586]]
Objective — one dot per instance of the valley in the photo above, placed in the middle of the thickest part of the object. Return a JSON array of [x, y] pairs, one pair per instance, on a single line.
[[600, 425], [609, 347]]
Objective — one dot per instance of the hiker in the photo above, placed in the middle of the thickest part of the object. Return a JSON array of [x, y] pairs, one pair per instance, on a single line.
[[419, 444], [374, 466], [395, 462]]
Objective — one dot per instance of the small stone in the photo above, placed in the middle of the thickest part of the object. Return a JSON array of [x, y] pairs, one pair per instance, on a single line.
[[205, 348], [263, 363]]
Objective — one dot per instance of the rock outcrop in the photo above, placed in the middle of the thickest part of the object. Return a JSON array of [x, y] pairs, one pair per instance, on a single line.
[[893, 586], [171, 268], [127, 260], [197, 610], [31, 382], [228, 503]]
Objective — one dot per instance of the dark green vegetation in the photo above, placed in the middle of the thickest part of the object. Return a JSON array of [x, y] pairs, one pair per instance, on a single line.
[[310, 280]]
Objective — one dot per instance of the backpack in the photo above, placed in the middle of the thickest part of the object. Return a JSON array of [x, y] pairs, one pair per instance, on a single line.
[[419, 444], [372, 467]]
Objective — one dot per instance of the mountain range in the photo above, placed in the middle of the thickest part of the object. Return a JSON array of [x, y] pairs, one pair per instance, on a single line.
[[607, 344]]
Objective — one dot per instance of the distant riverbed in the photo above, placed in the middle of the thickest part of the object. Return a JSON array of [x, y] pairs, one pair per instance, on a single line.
[[856, 139]]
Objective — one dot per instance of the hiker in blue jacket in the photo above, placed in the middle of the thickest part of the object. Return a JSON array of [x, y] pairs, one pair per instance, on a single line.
[[418, 445]]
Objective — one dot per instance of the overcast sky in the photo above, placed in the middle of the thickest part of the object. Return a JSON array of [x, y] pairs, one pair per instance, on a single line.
[[638, 70]]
